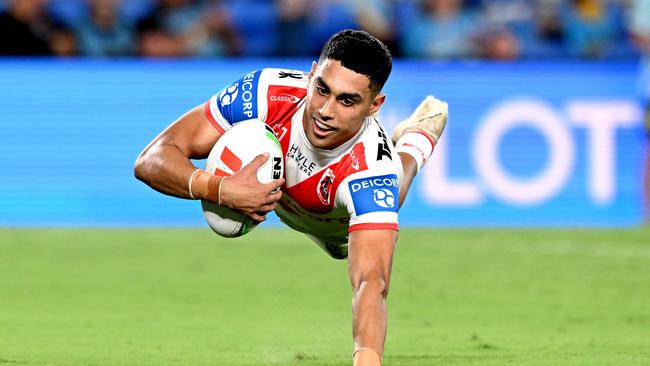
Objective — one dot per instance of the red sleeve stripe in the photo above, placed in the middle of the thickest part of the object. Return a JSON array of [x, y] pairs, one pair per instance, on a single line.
[[433, 143], [376, 226], [214, 122]]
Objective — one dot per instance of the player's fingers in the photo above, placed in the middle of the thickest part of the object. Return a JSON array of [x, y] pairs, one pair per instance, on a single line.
[[273, 197], [275, 184], [257, 162], [267, 208], [257, 217]]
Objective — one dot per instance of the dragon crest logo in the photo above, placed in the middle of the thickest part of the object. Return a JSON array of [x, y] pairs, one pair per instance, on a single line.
[[323, 188]]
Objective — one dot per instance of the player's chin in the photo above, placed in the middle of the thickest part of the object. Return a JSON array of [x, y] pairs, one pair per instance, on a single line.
[[323, 142]]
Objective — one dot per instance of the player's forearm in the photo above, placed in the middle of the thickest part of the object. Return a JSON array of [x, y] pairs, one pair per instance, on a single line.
[[410, 171], [166, 169], [370, 257], [369, 315]]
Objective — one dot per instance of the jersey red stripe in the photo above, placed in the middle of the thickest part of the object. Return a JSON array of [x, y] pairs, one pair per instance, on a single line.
[[208, 115], [371, 226]]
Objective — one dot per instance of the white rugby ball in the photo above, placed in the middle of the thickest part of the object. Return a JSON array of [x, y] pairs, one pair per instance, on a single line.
[[235, 149]]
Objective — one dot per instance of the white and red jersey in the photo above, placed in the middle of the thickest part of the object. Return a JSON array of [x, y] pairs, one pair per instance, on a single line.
[[328, 193]]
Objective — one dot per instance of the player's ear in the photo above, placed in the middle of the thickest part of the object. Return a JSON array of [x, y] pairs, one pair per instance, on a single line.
[[314, 65], [376, 104]]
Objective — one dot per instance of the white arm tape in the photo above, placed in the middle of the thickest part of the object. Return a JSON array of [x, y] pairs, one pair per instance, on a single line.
[[417, 145]]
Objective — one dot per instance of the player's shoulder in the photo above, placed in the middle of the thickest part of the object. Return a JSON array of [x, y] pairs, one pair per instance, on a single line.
[[281, 90], [257, 95], [374, 190], [288, 77], [258, 81], [381, 166]]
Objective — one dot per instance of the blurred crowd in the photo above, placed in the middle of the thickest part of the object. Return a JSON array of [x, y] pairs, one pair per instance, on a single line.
[[433, 29]]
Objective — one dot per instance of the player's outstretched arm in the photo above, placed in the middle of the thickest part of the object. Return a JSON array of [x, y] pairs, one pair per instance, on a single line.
[[370, 257], [165, 166]]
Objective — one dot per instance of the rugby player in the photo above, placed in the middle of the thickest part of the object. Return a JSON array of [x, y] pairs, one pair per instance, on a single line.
[[344, 178]]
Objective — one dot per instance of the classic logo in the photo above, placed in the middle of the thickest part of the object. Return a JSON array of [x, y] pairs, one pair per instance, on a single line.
[[384, 198], [323, 189], [229, 95], [287, 98]]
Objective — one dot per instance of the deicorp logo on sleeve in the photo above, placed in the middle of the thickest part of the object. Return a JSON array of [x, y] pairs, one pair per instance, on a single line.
[[238, 102], [374, 194]]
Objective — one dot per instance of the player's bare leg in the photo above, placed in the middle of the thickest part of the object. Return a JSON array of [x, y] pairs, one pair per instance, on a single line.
[[416, 136]]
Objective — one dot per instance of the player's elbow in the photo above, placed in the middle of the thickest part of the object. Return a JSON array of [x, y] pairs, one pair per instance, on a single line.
[[142, 168]]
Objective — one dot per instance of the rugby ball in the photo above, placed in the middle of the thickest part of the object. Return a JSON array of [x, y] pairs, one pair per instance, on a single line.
[[235, 149]]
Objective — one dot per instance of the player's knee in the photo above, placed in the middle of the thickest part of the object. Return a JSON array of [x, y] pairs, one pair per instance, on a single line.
[[373, 283]]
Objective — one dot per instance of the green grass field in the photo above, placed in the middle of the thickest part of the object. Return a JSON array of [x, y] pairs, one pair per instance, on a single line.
[[187, 297]]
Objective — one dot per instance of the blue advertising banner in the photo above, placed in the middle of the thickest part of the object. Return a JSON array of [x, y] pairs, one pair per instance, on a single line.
[[527, 144]]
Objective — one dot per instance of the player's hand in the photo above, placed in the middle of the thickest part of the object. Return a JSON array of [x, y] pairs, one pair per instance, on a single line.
[[242, 191]]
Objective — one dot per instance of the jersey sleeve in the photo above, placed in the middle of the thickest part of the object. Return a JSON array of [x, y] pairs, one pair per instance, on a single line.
[[237, 102], [371, 199]]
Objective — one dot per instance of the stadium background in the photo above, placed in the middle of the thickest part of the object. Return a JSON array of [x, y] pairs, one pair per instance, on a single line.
[[522, 241], [544, 131], [511, 155]]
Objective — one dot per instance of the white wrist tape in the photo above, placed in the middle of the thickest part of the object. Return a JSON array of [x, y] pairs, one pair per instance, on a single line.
[[189, 185], [416, 144], [219, 192]]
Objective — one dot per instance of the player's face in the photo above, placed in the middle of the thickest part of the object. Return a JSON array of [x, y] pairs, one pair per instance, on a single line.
[[338, 100]]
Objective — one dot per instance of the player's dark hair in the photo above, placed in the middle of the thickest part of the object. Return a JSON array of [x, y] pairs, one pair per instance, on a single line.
[[362, 53]]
